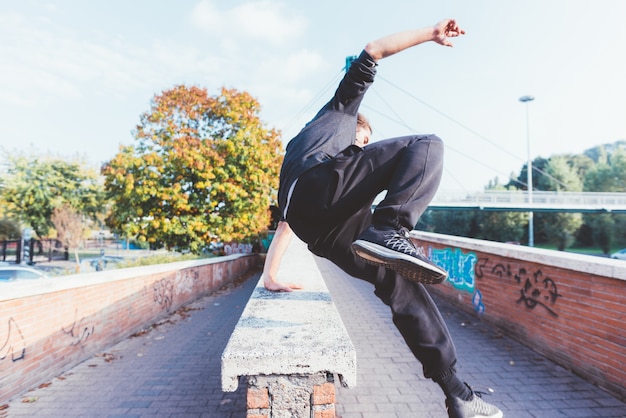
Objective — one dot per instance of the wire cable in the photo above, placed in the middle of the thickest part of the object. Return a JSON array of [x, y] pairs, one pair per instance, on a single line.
[[472, 131], [314, 100]]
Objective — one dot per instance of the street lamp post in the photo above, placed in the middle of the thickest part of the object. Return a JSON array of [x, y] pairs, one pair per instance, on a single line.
[[529, 172]]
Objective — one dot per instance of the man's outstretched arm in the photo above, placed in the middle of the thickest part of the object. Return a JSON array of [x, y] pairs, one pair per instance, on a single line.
[[400, 41], [275, 253]]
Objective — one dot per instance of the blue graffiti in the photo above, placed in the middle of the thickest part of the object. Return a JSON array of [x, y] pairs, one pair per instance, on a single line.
[[477, 302], [460, 267]]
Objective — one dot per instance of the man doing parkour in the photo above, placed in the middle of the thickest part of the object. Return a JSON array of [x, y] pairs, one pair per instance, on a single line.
[[328, 182]]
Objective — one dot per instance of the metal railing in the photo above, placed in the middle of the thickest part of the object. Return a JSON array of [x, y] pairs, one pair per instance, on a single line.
[[518, 200]]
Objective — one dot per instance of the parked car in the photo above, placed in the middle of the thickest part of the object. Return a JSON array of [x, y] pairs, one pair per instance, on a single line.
[[620, 255], [17, 272]]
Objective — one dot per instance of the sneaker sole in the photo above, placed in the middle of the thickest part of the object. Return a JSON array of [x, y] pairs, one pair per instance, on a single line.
[[409, 267]]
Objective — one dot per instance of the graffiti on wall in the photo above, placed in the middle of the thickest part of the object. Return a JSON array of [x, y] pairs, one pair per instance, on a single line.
[[464, 268], [163, 293], [460, 267], [79, 331], [237, 248], [477, 302], [536, 290], [13, 346], [185, 280]]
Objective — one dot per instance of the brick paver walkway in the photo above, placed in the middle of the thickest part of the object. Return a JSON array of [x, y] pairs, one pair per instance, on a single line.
[[390, 380]]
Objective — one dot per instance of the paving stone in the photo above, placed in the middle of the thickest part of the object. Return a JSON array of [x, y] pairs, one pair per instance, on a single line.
[[532, 387]]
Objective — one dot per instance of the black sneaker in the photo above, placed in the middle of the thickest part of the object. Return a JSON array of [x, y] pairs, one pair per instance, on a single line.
[[395, 250], [476, 407]]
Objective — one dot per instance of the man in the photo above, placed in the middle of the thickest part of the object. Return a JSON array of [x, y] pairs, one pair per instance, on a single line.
[[329, 179]]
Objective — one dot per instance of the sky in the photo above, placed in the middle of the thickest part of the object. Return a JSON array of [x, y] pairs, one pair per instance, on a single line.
[[76, 75]]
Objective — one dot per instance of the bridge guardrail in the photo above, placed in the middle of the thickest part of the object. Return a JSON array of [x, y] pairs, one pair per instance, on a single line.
[[581, 201]]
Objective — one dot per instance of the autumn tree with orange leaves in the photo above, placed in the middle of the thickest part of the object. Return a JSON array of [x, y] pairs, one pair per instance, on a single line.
[[203, 169]]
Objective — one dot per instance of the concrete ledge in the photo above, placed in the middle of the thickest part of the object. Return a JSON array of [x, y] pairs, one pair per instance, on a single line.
[[28, 288], [285, 334], [606, 267]]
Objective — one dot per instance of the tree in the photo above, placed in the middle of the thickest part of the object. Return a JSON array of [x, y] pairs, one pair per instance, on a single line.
[[203, 169], [560, 228], [598, 154], [501, 226], [9, 229], [608, 175], [520, 183], [461, 223], [70, 228], [602, 225], [35, 185]]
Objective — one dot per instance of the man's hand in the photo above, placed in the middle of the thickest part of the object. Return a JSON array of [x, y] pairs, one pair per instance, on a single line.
[[394, 43], [445, 29], [274, 286]]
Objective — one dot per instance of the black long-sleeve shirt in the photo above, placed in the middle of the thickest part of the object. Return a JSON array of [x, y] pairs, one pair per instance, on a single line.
[[331, 131]]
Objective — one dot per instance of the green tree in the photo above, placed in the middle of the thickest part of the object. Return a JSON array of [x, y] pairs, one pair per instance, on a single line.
[[581, 164], [560, 228], [203, 169], [461, 223], [603, 225], [35, 185], [9, 229], [600, 153], [608, 175], [502, 226], [539, 164], [619, 230]]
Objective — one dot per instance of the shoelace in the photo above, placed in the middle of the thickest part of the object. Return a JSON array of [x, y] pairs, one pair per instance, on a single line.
[[400, 241], [481, 406]]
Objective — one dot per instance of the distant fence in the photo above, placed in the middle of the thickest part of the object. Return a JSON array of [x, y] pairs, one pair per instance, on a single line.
[[34, 250]]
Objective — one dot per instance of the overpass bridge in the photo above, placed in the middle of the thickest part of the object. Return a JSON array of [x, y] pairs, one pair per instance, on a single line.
[[540, 201]]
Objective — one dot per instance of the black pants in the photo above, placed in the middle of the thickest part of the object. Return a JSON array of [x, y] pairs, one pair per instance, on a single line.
[[331, 206]]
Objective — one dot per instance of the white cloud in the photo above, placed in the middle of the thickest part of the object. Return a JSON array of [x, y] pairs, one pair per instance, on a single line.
[[44, 62], [264, 20], [55, 71]]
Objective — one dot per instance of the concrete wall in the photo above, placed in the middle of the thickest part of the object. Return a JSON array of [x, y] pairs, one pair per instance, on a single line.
[[569, 307], [48, 326]]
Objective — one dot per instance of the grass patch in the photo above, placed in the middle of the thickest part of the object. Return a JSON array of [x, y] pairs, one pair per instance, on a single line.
[[157, 259], [578, 250]]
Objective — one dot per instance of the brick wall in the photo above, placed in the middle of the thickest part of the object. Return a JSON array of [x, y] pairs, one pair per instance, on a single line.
[[293, 396], [48, 327], [570, 308]]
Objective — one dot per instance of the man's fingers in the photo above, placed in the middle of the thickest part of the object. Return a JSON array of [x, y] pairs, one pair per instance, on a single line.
[[282, 287], [452, 29]]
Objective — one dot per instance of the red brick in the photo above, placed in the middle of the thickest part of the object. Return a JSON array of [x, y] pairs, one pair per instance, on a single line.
[[258, 398], [324, 394], [326, 413]]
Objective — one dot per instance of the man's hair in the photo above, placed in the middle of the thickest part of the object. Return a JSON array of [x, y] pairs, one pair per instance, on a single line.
[[362, 121]]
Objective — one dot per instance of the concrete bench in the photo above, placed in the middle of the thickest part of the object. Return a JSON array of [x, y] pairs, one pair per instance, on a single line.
[[290, 346]]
